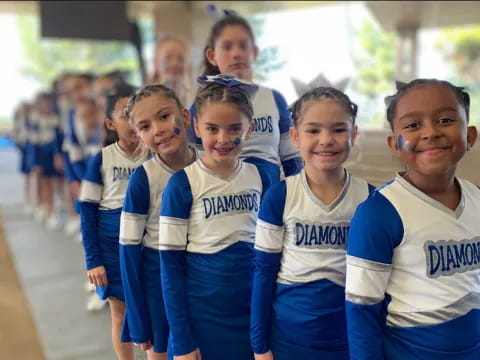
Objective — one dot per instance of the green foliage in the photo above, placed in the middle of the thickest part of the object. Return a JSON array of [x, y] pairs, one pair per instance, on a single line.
[[461, 47], [267, 60], [46, 59], [375, 63]]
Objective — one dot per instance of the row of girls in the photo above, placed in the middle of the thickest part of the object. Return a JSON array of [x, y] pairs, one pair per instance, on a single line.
[[241, 264], [56, 135]]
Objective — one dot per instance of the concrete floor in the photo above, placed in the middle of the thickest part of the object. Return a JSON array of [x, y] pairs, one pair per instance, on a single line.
[[50, 268]]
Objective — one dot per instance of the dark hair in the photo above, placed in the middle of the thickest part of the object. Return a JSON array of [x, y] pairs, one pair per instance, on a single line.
[[217, 28], [320, 93], [88, 101], [89, 77], [120, 89], [402, 88], [149, 90], [217, 93], [45, 95]]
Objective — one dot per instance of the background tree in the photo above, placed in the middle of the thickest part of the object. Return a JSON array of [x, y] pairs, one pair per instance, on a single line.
[[268, 59], [373, 54], [461, 48], [46, 59], [374, 59]]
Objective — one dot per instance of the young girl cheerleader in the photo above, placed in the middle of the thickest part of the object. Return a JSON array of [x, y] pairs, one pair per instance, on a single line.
[[46, 131], [161, 122], [207, 229], [83, 150], [101, 198], [21, 134], [413, 254], [231, 50], [298, 306]]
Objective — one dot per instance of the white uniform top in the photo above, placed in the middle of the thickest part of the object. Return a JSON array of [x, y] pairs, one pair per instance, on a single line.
[[430, 268], [311, 235], [107, 176], [212, 211], [139, 220], [44, 128]]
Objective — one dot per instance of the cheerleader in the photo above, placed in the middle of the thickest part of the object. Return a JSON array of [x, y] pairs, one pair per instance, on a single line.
[[101, 198], [161, 122], [207, 228], [298, 306], [231, 50]]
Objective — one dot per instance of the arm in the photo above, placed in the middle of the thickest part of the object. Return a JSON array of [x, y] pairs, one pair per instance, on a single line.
[[132, 228], [268, 252], [289, 156], [79, 169], [174, 214], [371, 242], [90, 196], [75, 152], [69, 173]]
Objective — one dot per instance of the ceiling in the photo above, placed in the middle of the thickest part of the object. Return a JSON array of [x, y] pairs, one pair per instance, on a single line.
[[390, 14]]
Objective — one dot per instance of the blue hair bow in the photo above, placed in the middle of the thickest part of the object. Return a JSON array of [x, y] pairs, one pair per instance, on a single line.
[[228, 81], [217, 12]]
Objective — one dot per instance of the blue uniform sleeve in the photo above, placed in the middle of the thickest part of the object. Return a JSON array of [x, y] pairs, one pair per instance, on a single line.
[[132, 228], [58, 140], [79, 169], [67, 167], [268, 252], [90, 195], [174, 214], [292, 163], [371, 189], [375, 230], [75, 151]]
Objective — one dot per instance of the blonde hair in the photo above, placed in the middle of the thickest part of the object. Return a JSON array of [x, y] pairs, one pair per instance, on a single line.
[[155, 77]]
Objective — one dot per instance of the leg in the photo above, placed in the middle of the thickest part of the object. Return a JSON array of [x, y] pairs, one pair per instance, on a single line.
[[48, 194], [28, 198], [152, 355], [124, 351]]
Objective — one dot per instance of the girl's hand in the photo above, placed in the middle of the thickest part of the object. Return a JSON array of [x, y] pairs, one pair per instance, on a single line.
[[74, 188], [194, 355], [267, 356], [98, 276], [145, 346]]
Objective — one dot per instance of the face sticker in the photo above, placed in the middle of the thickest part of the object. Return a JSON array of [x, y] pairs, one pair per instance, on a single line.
[[403, 144], [175, 121]]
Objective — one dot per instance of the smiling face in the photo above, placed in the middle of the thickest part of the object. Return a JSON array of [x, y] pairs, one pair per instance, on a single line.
[[160, 124], [433, 131], [324, 135], [234, 52], [223, 129]]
